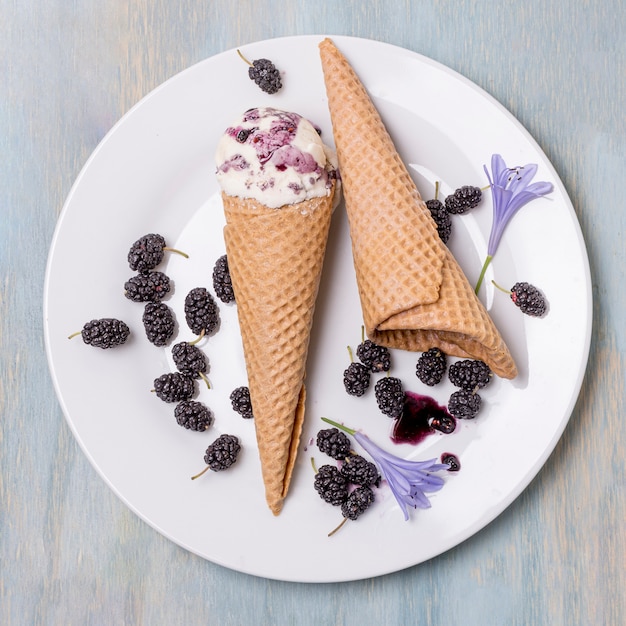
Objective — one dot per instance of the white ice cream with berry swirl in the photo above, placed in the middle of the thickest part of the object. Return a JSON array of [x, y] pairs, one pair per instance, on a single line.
[[275, 157]]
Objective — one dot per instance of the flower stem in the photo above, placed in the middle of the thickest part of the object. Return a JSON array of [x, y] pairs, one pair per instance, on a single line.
[[350, 431], [482, 274]]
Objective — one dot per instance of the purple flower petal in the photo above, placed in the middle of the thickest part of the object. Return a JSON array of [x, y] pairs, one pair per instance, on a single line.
[[511, 189], [409, 481]]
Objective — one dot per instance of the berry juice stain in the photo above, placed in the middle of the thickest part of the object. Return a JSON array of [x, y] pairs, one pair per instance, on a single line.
[[421, 416]]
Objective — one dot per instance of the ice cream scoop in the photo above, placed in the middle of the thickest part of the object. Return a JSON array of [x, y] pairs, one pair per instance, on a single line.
[[275, 157]]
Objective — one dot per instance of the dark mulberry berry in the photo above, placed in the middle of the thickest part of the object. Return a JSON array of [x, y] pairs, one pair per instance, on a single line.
[[376, 358], [147, 287], [463, 199], [331, 486], [359, 471], [452, 461], [147, 252], [104, 333], [222, 282], [442, 219], [334, 443], [264, 73], [158, 322], [193, 415], [174, 387], [201, 311], [357, 503], [356, 379], [464, 404], [222, 453], [241, 403], [529, 299], [469, 374], [189, 359], [390, 396], [431, 366]]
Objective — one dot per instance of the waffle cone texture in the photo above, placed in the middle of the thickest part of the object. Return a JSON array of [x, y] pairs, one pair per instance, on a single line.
[[275, 258], [414, 295]]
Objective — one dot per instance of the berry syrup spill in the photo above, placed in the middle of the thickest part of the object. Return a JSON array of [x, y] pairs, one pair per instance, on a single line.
[[422, 416]]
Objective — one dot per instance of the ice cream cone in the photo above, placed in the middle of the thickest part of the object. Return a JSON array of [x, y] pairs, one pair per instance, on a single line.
[[275, 258], [414, 295]]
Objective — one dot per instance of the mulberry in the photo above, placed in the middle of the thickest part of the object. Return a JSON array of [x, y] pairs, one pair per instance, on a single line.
[[357, 503], [221, 454], [222, 282], [529, 299], [158, 322], [442, 219], [174, 387], [241, 403], [359, 471], [331, 486], [390, 396], [193, 415], [469, 374], [201, 311], [147, 287], [463, 199], [431, 366], [464, 404], [334, 443], [148, 251], [376, 358], [264, 73], [104, 333], [356, 379]]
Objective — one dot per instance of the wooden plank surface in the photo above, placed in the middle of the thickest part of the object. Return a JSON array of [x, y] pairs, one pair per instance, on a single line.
[[70, 551]]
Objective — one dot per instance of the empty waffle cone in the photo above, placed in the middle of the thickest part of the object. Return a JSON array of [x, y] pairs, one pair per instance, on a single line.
[[414, 296], [275, 258]]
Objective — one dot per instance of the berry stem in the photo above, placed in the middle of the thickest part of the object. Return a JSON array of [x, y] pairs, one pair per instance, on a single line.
[[199, 338], [350, 431], [351, 354], [74, 334], [482, 273], [244, 58], [504, 289], [332, 532], [205, 379], [313, 465], [175, 251], [206, 469], [436, 190]]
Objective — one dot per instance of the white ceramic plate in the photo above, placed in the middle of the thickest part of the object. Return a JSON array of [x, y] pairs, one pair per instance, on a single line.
[[154, 173]]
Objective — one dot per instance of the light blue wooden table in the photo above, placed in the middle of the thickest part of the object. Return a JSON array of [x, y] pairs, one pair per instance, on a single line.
[[71, 552]]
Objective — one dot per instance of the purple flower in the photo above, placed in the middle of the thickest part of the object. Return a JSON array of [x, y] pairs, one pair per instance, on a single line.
[[512, 189], [409, 481]]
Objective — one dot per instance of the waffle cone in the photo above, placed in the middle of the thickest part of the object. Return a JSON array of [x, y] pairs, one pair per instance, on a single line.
[[414, 296], [275, 259]]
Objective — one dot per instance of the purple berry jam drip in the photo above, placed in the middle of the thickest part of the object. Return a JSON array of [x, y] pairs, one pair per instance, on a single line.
[[422, 416]]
